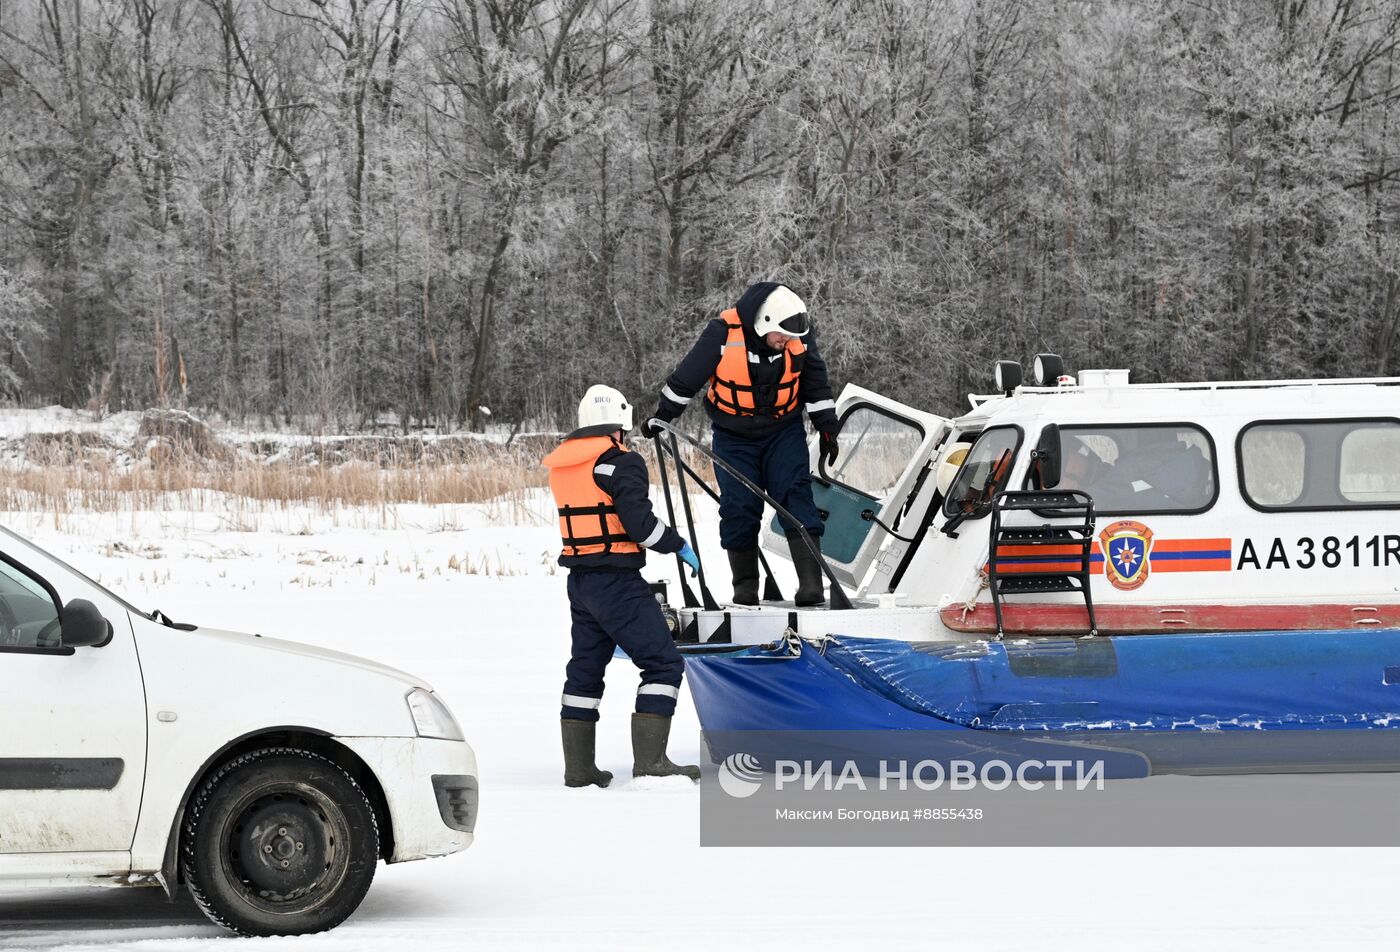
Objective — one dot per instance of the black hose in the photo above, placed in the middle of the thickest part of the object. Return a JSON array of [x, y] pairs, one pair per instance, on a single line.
[[869, 516]]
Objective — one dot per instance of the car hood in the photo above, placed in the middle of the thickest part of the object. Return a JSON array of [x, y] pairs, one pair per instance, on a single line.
[[260, 643]]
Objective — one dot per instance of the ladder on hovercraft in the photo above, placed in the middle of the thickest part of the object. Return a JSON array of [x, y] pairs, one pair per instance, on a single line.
[[1044, 559]]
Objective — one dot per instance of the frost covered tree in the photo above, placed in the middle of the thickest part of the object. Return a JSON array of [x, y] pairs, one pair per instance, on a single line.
[[20, 309], [337, 211]]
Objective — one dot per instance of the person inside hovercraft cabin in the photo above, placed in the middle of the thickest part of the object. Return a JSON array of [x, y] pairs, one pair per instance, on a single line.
[[759, 366], [1168, 470], [1086, 469], [607, 524], [1138, 467]]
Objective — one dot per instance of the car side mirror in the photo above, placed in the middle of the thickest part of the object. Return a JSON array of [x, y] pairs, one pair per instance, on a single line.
[[1046, 456], [83, 626]]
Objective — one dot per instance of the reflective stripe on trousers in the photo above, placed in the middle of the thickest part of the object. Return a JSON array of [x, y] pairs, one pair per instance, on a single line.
[[617, 609], [661, 690]]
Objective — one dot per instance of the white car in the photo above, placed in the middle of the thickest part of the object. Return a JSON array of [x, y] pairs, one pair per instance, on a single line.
[[267, 776]]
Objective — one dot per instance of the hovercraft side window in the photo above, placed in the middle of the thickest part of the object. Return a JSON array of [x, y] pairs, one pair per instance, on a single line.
[[1303, 465], [983, 473], [1369, 470], [1140, 468]]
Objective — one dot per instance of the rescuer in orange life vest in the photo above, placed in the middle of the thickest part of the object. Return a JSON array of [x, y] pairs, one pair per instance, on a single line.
[[759, 367], [606, 521]]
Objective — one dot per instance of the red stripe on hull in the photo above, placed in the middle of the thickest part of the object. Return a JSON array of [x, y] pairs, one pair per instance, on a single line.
[[1040, 551], [1190, 545], [1060, 568], [1060, 619], [1067, 558], [1191, 565]]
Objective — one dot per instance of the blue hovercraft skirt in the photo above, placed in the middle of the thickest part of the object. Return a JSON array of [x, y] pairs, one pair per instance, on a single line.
[[1236, 702]]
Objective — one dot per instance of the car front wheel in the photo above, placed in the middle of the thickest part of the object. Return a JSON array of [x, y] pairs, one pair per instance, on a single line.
[[279, 842]]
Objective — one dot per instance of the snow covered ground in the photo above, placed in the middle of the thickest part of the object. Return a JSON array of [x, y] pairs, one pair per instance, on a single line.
[[477, 607]]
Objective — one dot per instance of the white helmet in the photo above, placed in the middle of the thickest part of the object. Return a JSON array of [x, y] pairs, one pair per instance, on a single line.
[[603, 406], [782, 311]]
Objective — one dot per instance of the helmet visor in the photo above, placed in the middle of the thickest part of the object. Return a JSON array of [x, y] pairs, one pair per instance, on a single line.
[[796, 325]]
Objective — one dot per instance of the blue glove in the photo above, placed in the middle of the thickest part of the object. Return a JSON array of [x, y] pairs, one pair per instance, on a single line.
[[689, 557]]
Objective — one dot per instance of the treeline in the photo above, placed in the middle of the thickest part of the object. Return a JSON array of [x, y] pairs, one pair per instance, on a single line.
[[338, 209]]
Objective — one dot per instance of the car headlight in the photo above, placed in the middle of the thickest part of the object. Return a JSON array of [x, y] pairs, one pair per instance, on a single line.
[[431, 717]]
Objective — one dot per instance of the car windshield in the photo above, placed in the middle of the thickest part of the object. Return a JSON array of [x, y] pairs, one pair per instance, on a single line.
[[98, 585]]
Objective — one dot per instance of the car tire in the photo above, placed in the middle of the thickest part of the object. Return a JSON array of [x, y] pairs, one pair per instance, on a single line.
[[279, 841]]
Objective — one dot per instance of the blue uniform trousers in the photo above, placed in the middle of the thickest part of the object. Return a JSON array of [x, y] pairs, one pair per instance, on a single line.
[[617, 609], [778, 464]]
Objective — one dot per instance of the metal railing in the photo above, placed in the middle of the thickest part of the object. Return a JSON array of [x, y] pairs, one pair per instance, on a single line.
[[838, 597]]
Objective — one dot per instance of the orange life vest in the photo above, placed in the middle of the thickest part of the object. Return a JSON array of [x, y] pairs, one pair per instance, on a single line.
[[588, 521], [731, 386]]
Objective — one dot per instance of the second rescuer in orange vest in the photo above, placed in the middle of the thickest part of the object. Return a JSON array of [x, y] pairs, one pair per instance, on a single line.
[[607, 524]]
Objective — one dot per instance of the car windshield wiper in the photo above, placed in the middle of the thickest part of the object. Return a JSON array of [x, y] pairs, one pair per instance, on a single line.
[[168, 622]]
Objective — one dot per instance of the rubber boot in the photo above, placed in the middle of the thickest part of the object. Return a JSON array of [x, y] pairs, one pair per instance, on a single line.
[[809, 571], [649, 735], [579, 768], [743, 565]]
